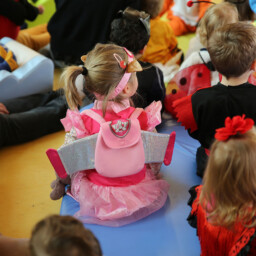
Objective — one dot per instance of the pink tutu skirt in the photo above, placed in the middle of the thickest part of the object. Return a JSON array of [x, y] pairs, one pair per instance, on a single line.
[[117, 206]]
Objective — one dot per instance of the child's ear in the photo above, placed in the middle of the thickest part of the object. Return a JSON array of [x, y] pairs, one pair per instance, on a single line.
[[127, 89], [83, 58], [253, 67]]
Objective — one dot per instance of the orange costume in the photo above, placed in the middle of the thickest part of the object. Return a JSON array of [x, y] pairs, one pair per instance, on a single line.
[[35, 38], [162, 44], [183, 19]]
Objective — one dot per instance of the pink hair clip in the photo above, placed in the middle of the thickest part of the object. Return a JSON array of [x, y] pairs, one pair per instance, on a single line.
[[236, 125], [121, 62], [126, 75]]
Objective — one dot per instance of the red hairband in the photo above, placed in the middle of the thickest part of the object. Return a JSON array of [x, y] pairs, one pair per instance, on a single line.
[[234, 126]]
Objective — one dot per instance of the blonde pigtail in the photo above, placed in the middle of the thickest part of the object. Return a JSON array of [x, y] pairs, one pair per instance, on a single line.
[[72, 95]]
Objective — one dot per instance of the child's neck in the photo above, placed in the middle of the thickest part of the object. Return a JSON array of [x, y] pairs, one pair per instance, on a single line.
[[235, 81]]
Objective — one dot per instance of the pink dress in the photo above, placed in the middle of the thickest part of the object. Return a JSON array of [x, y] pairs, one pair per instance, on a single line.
[[122, 200]]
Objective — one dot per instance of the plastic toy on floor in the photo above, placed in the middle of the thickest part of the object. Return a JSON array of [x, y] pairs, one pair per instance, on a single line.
[[7, 59], [33, 75]]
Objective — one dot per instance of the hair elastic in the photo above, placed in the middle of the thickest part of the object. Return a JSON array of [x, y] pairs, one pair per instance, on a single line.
[[84, 71]]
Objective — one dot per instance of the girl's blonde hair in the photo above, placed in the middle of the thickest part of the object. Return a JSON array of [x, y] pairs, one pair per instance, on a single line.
[[229, 184], [103, 74], [215, 17]]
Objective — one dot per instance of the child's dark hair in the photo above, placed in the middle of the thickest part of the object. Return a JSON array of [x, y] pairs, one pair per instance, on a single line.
[[232, 48], [63, 236], [128, 30], [244, 10], [152, 7]]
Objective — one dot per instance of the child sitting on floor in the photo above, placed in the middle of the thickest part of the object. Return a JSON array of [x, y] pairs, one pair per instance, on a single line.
[[54, 235], [131, 29], [224, 207], [162, 45], [215, 16], [232, 49], [197, 70], [122, 194]]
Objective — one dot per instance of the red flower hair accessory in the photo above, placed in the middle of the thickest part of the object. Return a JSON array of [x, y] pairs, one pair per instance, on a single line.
[[236, 125]]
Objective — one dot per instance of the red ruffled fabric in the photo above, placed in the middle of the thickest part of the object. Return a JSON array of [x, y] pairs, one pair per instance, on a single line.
[[184, 113], [219, 241]]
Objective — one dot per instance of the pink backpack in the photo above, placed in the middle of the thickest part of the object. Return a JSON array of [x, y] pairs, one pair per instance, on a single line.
[[119, 148]]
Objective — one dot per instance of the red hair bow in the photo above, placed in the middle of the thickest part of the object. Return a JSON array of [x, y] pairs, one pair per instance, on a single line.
[[236, 125]]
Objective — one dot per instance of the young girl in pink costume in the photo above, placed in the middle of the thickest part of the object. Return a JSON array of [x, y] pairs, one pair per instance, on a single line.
[[109, 73]]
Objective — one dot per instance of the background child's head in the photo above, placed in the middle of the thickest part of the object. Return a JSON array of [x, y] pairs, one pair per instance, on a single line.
[[104, 68], [131, 29], [244, 10], [232, 49], [152, 7], [215, 17], [229, 190], [63, 236]]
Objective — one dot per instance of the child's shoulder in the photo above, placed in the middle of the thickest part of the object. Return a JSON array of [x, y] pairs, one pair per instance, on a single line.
[[208, 96], [220, 90], [209, 92]]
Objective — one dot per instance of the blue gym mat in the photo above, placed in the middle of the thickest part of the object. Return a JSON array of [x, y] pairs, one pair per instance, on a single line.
[[165, 232]]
